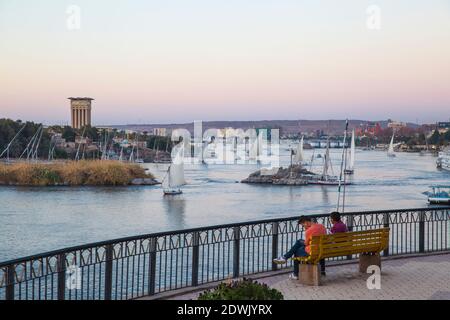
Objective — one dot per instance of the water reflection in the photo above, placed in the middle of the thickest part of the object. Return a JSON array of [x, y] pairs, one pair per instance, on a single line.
[[325, 195], [175, 207]]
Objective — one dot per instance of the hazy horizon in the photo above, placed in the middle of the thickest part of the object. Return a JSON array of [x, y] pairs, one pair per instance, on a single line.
[[67, 122], [161, 62]]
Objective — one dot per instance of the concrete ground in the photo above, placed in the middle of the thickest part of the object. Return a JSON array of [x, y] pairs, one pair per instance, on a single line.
[[420, 277]]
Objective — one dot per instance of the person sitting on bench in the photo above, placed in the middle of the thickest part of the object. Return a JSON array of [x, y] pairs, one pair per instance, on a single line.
[[302, 248], [337, 225]]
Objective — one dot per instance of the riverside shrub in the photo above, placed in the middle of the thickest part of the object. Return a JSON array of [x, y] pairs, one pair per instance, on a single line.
[[245, 289], [72, 173]]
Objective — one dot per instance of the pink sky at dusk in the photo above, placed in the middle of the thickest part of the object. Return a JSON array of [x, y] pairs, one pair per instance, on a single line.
[[160, 62]]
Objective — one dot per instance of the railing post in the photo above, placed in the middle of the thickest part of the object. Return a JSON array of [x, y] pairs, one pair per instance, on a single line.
[[195, 258], [386, 225], [152, 267], [274, 244], [10, 282], [421, 231], [108, 271], [236, 251], [61, 262], [349, 228]]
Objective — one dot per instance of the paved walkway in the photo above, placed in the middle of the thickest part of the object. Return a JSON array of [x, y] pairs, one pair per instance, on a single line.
[[425, 277]]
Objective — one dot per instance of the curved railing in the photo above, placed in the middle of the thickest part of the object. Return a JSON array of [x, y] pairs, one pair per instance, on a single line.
[[154, 263]]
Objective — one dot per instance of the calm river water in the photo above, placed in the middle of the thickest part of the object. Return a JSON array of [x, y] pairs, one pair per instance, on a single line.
[[35, 219]]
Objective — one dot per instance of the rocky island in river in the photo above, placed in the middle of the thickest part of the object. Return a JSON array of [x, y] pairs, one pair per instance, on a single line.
[[294, 175]]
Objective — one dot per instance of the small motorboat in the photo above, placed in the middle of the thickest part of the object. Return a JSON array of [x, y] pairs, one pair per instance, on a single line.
[[443, 160], [439, 194], [330, 181]]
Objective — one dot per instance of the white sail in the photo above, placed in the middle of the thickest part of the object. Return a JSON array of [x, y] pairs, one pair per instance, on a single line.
[[299, 153], [175, 173], [262, 144], [253, 151], [165, 183], [352, 152], [391, 146], [176, 169], [253, 148]]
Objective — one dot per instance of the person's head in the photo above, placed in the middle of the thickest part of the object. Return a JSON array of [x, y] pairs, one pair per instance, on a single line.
[[335, 217], [305, 221]]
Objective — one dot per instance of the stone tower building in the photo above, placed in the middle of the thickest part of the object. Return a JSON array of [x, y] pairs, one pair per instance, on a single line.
[[80, 110]]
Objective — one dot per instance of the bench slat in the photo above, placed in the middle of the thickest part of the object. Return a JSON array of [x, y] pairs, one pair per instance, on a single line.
[[347, 243]]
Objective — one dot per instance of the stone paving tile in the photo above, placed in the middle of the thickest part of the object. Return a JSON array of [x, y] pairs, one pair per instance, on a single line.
[[441, 295], [426, 277], [414, 278]]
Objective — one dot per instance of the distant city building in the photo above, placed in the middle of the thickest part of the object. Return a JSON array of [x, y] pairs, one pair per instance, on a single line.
[[82, 140], [126, 143], [139, 144], [80, 110], [370, 128], [267, 133], [396, 124], [228, 131], [160, 132], [57, 139], [443, 127]]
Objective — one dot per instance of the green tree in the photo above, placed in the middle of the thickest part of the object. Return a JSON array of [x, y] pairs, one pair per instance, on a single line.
[[90, 132], [69, 133], [447, 137], [435, 137]]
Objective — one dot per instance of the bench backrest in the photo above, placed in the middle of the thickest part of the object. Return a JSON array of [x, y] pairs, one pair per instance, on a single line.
[[347, 243]]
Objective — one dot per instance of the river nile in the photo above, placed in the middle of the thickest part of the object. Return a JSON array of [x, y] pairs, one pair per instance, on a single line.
[[39, 219]]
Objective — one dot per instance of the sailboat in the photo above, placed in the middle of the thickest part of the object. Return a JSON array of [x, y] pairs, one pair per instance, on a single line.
[[327, 179], [390, 152], [351, 167], [298, 159], [138, 160], [174, 178]]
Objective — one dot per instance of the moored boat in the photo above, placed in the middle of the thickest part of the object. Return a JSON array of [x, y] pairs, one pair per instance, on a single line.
[[325, 178], [439, 194], [443, 160]]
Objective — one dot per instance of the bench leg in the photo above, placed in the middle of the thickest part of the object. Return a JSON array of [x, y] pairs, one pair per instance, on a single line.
[[366, 260], [309, 274]]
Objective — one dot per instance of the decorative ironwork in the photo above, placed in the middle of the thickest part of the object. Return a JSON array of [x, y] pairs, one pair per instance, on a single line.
[[150, 264]]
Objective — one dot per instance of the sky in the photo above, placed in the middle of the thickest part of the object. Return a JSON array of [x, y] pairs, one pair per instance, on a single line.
[[177, 61]]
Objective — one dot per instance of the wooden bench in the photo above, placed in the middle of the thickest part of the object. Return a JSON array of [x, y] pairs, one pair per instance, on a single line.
[[368, 244]]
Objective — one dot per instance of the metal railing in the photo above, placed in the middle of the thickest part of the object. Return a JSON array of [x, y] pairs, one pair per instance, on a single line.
[[151, 264]]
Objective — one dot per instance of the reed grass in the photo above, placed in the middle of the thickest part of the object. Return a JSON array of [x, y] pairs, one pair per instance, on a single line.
[[72, 173]]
